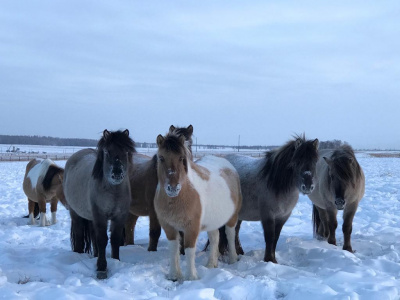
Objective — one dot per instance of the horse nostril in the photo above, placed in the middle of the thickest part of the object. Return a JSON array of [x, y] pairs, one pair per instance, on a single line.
[[312, 187], [303, 187]]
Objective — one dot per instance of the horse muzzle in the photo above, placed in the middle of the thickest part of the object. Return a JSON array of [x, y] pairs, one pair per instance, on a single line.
[[172, 191], [116, 177], [340, 203], [306, 190]]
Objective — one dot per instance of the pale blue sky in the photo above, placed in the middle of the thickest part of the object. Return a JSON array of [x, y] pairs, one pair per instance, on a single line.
[[261, 69]]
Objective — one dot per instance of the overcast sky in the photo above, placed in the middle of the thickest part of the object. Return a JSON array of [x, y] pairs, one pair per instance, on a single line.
[[263, 70]]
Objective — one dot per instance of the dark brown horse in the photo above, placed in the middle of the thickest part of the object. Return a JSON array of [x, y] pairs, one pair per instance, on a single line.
[[97, 189], [143, 179], [340, 186]]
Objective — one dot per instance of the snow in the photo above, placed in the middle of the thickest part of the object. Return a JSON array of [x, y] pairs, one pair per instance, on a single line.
[[37, 262]]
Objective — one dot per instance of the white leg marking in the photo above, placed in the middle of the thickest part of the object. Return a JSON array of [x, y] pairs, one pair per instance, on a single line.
[[191, 273], [31, 220], [43, 220], [53, 218], [174, 268], [230, 235], [213, 237]]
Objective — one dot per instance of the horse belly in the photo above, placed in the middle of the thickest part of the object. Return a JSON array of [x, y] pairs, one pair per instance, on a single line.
[[218, 206]]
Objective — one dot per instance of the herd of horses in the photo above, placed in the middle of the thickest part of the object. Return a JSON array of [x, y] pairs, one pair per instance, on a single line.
[[185, 196]]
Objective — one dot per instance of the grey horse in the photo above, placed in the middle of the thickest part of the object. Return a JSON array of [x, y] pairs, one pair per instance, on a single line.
[[97, 189], [340, 185], [271, 185]]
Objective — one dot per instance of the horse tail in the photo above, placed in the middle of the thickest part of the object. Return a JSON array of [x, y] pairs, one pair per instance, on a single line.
[[81, 233], [316, 220], [48, 178]]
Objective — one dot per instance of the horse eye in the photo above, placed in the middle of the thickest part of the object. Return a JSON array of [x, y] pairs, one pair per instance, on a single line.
[[181, 158], [161, 158]]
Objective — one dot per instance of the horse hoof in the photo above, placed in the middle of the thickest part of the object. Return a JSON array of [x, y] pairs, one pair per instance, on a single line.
[[101, 274]]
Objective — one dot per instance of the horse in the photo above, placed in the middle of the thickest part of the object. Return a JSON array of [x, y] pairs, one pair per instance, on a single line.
[[271, 186], [43, 183], [193, 197], [143, 180], [97, 189], [340, 186]]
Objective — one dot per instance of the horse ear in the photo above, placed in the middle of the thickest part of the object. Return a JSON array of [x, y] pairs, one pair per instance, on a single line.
[[316, 143], [160, 140], [126, 132], [171, 129], [328, 160], [190, 129], [298, 143], [106, 133], [351, 160]]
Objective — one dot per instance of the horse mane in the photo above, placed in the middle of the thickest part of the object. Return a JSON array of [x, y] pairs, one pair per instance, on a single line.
[[48, 178], [346, 167], [278, 169], [118, 138]]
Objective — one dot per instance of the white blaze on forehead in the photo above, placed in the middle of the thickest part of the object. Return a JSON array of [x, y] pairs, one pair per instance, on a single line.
[[39, 170]]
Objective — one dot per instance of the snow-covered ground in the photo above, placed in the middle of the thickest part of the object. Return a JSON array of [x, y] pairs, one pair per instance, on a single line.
[[37, 263]]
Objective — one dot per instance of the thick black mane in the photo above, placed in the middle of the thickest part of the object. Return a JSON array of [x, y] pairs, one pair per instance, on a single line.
[[118, 138], [278, 169], [48, 178], [345, 165], [173, 143]]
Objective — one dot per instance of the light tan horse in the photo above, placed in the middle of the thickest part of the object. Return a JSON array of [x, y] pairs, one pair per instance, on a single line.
[[43, 183], [340, 186], [193, 197]]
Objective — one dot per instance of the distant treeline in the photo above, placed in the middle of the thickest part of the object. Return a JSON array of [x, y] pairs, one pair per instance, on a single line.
[[45, 141], [52, 141]]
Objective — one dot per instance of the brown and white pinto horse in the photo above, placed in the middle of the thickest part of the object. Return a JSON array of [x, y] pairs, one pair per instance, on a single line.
[[193, 197], [43, 183], [143, 179]]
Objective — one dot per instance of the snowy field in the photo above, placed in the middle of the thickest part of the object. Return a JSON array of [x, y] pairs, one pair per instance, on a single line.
[[37, 263]]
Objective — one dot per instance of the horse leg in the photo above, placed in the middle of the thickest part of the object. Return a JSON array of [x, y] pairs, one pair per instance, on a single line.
[[31, 209], [100, 229], [320, 218], [213, 237], [130, 229], [53, 208], [278, 228], [223, 242], [117, 226], [155, 231], [80, 233], [230, 236], [269, 237], [181, 244], [332, 225], [347, 227], [42, 209], [173, 239], [238, 245], [191, 235]]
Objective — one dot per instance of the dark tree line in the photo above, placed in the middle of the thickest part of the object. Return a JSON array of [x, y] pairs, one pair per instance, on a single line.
[[334, 144], [45, 141]]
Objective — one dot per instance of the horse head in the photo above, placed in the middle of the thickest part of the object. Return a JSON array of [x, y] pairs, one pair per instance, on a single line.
[[186, 132], [172, 164], [343, 172], [304, 161], [114, 156]]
